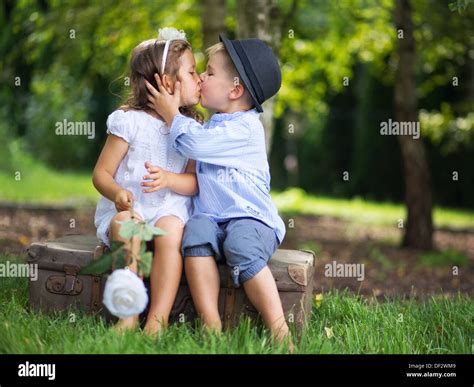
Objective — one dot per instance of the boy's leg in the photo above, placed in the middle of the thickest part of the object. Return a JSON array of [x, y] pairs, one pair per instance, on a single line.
[[166, 270], [248, 246], [263, 294], [201, 241]]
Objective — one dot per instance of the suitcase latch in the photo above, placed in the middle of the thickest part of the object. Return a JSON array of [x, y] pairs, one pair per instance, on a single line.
[[67, 284]]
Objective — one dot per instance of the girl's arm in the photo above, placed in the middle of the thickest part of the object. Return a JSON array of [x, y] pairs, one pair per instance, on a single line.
[[112, 153], [182, 183]]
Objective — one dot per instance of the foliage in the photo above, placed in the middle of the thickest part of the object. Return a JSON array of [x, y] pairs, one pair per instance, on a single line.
[[338, 64], [443, 258], [295, 201], [447, 132], [119, 256]]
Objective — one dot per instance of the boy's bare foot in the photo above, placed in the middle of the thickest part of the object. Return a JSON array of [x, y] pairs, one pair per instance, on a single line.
[[291, 348], [283, 337], [126, 324]]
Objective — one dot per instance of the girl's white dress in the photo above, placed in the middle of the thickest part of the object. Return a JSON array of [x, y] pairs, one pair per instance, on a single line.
[[148, 140]]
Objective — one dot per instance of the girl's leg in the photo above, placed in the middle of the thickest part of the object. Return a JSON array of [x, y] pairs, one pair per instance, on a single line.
[[204, 283], [166, 271], [132, 248]]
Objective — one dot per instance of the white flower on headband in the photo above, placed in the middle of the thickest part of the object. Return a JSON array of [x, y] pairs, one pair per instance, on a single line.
[[170, 33], [167, 35]]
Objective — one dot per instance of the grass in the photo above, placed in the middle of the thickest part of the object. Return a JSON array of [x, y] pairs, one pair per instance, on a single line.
[[32, 181], [449, 257], [340, 323], [295, 201], [40, 184]]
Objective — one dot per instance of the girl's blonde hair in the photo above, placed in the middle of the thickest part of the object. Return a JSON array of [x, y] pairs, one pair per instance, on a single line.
[[144, 63]]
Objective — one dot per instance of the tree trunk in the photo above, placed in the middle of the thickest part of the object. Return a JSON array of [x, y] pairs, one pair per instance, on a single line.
[[419, 224], [212, 21], [262, 19]]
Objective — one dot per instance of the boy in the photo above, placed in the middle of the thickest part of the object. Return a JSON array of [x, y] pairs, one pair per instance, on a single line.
[[234, 218]]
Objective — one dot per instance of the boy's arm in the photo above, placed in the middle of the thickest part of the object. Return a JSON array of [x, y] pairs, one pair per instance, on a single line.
[[182, 183], [224, 145]]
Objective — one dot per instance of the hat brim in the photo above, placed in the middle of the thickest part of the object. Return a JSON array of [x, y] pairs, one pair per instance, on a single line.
[[240, 69]]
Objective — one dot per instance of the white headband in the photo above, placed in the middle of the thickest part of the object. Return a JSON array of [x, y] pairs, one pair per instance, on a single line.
[[165, 54], [168, 34]]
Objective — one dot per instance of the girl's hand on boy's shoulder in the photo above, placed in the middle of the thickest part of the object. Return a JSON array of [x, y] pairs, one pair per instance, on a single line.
[[158, 176], [162, 101]]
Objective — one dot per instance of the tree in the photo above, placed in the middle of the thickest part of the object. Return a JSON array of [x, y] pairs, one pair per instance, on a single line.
[[418, 197], [264, 19], [213, 21]]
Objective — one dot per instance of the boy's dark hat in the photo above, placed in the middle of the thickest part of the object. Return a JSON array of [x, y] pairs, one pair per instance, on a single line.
[[257, 66]]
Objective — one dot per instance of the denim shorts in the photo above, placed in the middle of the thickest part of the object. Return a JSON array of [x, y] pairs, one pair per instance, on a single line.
[[244, 244]]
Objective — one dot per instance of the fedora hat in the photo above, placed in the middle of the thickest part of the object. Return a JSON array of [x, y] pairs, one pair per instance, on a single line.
[[257, 66]]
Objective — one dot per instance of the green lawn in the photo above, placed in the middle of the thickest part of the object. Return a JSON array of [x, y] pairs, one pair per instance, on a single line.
[[358, 325], [40, 184], [296, 201]]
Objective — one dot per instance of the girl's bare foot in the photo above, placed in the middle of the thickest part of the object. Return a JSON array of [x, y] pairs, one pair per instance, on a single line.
[[126, 324], [154, 327]]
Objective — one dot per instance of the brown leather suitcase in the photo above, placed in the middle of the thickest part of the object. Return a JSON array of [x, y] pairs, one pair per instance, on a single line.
[[59, 286]]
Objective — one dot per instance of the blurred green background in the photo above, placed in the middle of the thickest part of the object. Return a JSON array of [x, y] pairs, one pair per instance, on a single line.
[[335, 126], [343, 190]]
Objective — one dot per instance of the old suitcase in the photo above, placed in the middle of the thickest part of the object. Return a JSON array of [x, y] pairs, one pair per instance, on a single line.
[[59, 286], [293, 273]]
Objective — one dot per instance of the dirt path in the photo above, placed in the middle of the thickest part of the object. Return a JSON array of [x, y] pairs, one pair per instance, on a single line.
[[388, 270]]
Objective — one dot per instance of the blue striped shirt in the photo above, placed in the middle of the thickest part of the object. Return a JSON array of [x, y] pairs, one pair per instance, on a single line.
[[231, 166]]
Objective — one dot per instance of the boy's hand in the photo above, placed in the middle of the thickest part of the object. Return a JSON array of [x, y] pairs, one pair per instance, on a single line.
[[159, 176], [164, 103], [123, 200]]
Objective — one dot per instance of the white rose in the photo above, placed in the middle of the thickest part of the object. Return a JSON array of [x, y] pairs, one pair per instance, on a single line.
[[125, 294], [170, 33]]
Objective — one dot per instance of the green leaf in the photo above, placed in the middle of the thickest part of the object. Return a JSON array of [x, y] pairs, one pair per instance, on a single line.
[[156, 230], [115, 245], [127, 229], [145, 234], [144, 263], [99, 266], [142, 248], [148, 232], [120, 261]]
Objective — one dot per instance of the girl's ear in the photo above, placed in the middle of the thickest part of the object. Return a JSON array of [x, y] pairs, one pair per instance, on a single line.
[[166, 80]]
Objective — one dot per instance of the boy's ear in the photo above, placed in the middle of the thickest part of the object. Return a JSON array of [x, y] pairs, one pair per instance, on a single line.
[[238, 89], [166, 81]]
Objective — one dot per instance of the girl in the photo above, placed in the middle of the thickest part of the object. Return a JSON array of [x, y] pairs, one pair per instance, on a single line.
[[139, 173]]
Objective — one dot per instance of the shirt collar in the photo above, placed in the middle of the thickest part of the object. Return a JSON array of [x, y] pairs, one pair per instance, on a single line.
[[231, 116]]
